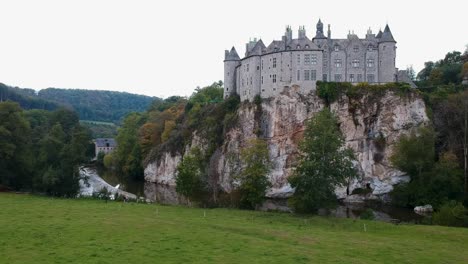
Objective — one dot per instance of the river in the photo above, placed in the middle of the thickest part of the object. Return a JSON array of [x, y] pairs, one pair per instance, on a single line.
[[164, 194]]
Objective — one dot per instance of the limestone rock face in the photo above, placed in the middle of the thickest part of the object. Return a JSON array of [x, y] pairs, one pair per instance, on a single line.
[[371, 126]]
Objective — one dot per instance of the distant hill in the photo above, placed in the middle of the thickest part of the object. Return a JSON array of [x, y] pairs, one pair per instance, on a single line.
[[27, 98], [105, 106]]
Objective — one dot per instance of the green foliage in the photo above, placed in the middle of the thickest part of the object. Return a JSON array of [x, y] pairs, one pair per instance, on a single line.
[[451, 214], [100, 129], [97, 105], [100, 158], [189, 175], [445, 71], [128, 154], [332, 91], [14, 146], [41, 150], [414, 154], [431, 182], [323, 165], [368, 214], [26, 98], [253, 178]]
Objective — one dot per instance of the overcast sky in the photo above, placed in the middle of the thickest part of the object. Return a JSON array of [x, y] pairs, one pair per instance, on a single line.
[[163, 48]]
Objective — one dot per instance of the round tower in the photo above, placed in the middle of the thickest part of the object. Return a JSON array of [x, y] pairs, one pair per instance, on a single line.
[[231, 61], [387, 56]]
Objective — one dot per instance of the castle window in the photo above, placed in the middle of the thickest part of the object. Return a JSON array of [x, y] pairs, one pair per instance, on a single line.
[[359, 77], [370, 47], [274, 78], [351, 78], [337, 77], [338, 63], [356, 48], [307, 46], [258, 68], [298, 47], [307, 59], [262, 64], [274, 62], [324, 77], [298, 75], [370, 63], [306, 75], [262, 79], [247, 67], [355, 63], [336, 48], [298, 59], [313, 75], [313, 60], [251, 82], [370, 78]]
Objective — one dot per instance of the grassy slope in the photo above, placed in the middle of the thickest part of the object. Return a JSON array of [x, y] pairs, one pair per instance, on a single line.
[[45, 230]]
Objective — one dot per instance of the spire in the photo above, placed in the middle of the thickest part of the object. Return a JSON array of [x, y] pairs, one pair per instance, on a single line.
[[379, 35], [231, 55], [387, 35], [319, 34]]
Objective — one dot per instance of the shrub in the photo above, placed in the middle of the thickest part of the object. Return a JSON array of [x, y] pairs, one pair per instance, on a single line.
[[451, 214], [368, 214]]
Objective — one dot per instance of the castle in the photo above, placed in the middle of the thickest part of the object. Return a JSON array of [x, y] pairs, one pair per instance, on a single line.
[[265, 71]]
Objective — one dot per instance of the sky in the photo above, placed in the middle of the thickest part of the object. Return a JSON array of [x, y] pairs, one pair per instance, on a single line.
[[164, 48]]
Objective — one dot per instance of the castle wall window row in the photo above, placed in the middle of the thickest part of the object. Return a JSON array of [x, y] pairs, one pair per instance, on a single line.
[[320, 58]]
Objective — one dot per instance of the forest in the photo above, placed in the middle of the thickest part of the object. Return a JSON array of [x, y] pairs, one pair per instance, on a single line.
[[93, 105]]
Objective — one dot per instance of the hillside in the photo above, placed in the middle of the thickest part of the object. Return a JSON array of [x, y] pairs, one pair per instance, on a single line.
[[93, 105], [27, 98], [94, 231], [107, 106]]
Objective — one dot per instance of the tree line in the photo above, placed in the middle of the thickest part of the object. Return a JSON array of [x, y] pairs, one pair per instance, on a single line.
[[41, 151]]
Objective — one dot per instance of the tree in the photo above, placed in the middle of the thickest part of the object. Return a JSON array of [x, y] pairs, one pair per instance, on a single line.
[[14, 151], [324, 164], [415, 154], [411, 72], [189, 175], [253, 177]]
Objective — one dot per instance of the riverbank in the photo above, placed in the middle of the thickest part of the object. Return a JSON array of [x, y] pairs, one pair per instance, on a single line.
[[50, 230]]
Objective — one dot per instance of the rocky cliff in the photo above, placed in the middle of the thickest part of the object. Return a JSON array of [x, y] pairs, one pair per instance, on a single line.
[[371, 125]]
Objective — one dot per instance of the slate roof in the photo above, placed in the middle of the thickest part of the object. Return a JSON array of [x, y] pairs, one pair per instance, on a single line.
[[105, 143], [402, 76], [258, 49], [387, 35], [232, 55]]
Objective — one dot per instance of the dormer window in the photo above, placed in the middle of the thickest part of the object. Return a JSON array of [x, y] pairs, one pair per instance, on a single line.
[[298, 47], [307, 46], [370, 48], [356, 48], [336, 48]]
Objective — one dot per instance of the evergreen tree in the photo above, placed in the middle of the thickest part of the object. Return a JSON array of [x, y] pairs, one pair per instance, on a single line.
[[324, 164]]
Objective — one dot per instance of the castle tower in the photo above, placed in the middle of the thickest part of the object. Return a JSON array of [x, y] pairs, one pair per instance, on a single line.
[[231, 61], [319, 34], [387, 56]]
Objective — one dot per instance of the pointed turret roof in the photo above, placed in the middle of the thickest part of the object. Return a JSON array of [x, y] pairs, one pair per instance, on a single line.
[[387, 35], [232, 55], [258, 49], [379, 35]]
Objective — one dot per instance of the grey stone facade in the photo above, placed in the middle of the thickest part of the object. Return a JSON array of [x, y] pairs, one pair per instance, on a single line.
[[301, 62]]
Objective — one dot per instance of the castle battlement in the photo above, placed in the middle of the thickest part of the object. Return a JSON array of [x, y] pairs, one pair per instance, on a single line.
[[266, 70]]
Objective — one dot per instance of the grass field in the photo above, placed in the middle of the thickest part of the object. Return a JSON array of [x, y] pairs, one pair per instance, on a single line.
[[46, 230]]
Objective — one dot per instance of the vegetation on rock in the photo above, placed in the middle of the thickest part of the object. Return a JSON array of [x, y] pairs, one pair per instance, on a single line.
[[323, 165]]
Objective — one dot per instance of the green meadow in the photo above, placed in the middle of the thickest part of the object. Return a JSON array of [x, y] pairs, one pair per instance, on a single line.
[[38, 229]]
